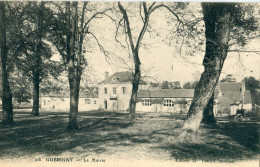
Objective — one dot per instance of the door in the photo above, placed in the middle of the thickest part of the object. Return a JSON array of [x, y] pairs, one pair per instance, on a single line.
[[105, 104]]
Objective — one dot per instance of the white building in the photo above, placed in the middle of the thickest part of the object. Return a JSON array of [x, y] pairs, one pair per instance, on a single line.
[[88, 100], [167, 100], [115, 91]]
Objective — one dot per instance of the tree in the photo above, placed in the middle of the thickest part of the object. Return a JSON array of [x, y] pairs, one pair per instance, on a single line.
[[190, 85], [68, 35], [175, 85], [229, 78], [7, 113], [165, 85], [21, 86], [251, 83], [29, 48], [135, 52], [219, 19], [154, 84], [208, 114], [187, 85], [37, 60], [145, 13], [171, 85]]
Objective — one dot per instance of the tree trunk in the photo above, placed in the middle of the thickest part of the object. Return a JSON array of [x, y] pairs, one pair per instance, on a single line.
[[74, 81], [7, 105], [74, 71], [36, 92], [37, 63], [217, 18], [135, 85], [208, 114], [135, 52]]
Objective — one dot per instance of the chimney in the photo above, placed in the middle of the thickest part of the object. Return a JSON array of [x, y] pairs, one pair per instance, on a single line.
[[106, 75]]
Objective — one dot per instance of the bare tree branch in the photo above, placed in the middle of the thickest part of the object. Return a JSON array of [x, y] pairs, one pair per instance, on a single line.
[[150, 8], [169, 9], [125, 16], [140, 12], [106, 53], [95, 15], [247, 51], [141, 35]]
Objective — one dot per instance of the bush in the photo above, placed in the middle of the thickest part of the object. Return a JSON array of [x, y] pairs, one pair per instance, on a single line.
[[253, 115], [242, 112]]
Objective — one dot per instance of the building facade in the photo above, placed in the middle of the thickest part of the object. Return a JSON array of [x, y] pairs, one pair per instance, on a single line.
[[88, 100], [115, 91], [167, 100], [114, 94]]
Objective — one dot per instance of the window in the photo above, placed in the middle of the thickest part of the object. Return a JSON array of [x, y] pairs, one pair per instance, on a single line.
[[44, 102], [95, 102], [87, 101], [114, 90], [124, 90], [168, 103], [147, 102], [105, 90]]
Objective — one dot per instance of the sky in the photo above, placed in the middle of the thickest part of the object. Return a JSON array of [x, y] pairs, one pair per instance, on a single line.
[[166, 66], [160, 60]]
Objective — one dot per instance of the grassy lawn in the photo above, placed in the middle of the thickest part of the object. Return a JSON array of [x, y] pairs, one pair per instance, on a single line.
[[109, 135]]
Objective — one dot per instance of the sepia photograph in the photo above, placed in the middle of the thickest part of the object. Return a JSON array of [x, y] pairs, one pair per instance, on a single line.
[[129, 83]]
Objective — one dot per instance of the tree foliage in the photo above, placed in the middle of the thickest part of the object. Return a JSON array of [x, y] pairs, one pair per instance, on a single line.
[[70, 31], [29, 49], [220, 20], [229, 78], [251, 83], [165, 85], [190, 85]]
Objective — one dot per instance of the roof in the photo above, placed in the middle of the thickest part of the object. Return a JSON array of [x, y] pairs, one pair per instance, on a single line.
[[248, 99], [233, 96], [164, 93], [169, 93], [66, 94], [121, 77], [230, 86], [230, 97]]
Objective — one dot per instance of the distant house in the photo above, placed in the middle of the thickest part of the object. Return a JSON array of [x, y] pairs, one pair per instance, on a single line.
[[88, 100], [228, 98], [166, 100], [233, 97], [115, 91]]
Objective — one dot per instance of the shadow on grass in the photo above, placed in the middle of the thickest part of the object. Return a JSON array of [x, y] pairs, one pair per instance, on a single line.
[[224, 142], [99, 132], [48, 135], [245, 134]]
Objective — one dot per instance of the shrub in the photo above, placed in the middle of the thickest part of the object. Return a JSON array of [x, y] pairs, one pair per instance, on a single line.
[[252, 115]]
